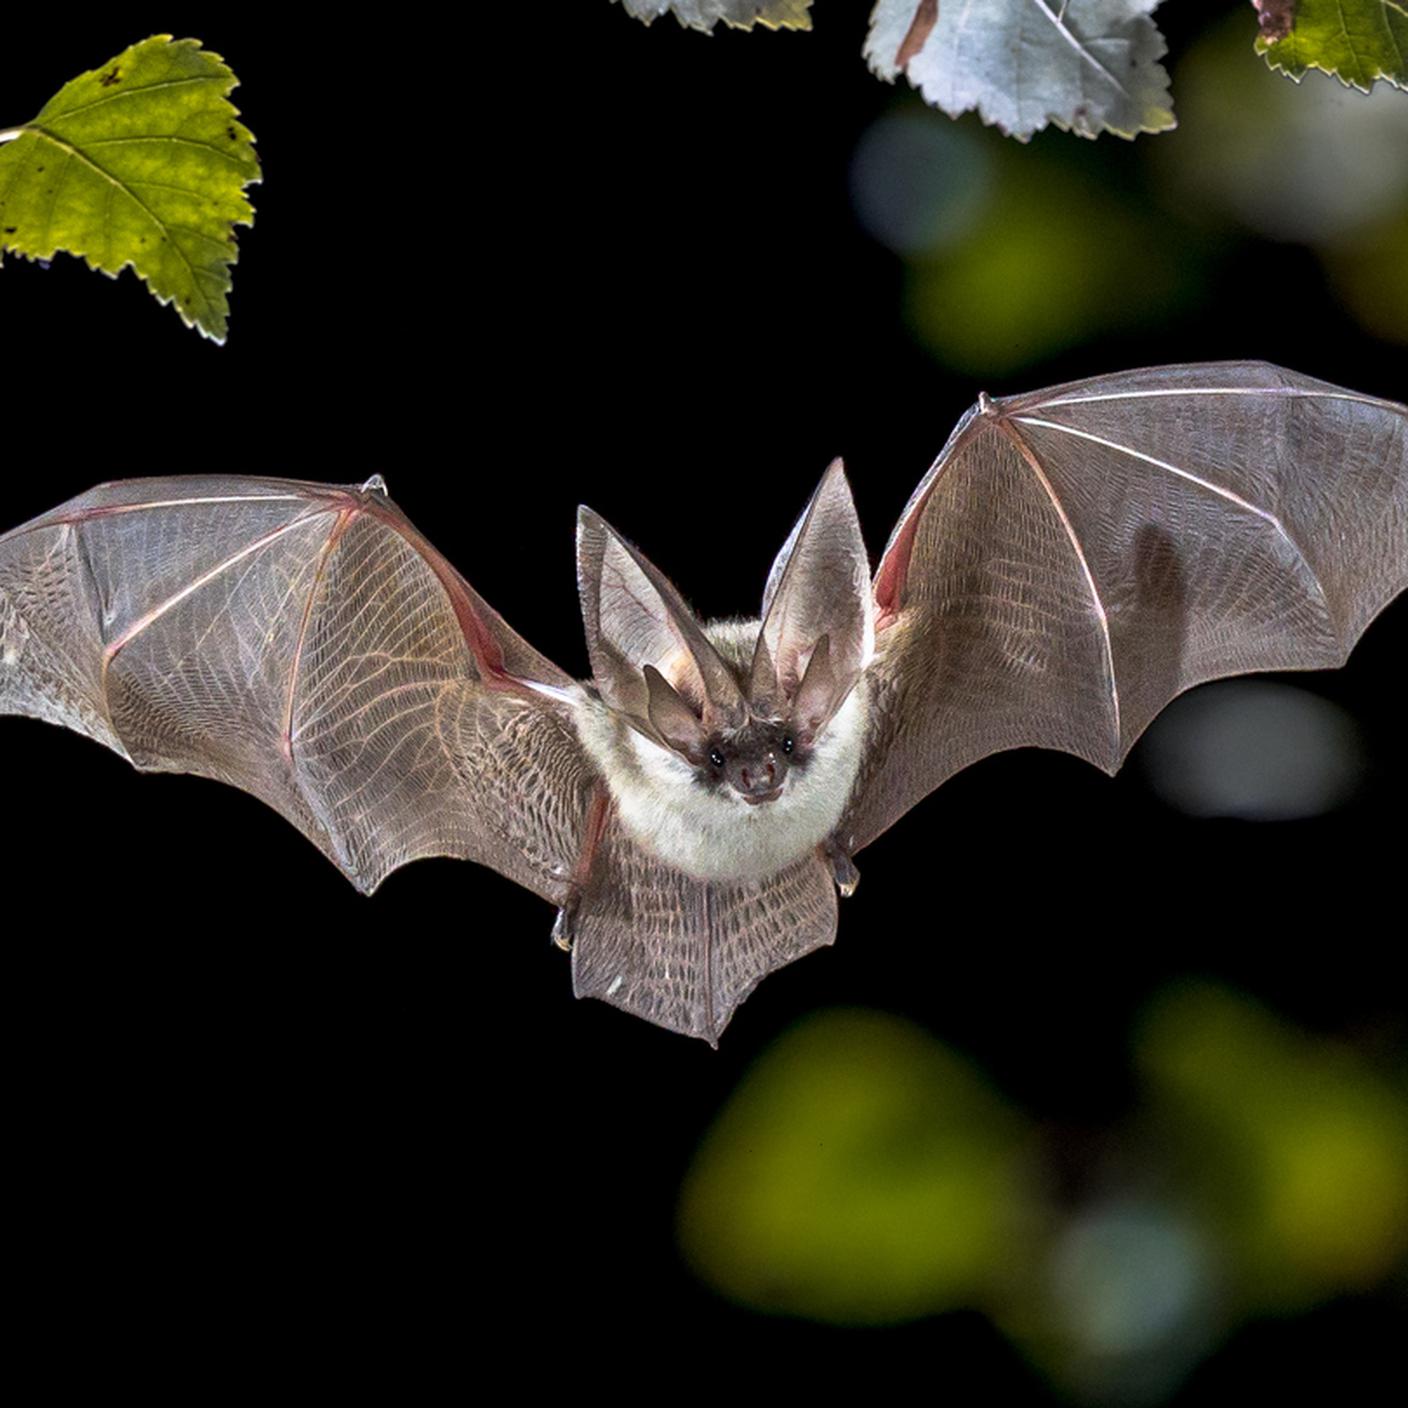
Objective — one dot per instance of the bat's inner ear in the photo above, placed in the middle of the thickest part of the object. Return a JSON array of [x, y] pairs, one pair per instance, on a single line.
[[818, 627], [675, 722], [819, 695], [635, 617]]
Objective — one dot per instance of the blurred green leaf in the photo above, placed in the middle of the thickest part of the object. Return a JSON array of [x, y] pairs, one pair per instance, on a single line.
[[1317, 164], [1372, 276], [1053, 260], [862, 1173], [140, 162], [739, 14], [1359, 41], [1088, 66], [1318, 1141]]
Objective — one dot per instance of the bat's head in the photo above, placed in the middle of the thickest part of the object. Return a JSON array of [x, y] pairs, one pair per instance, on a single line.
[[745, 704], [742, 755]]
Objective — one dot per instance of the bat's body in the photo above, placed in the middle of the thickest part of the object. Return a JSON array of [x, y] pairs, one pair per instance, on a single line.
[[1073, 560], [715, 833]]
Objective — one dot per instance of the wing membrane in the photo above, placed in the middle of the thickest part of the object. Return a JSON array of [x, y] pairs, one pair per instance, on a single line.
[[684, 953], [304, 643], [1078, 556]]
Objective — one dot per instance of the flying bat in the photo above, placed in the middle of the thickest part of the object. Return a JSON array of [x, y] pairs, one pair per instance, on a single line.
[[1074, 559]]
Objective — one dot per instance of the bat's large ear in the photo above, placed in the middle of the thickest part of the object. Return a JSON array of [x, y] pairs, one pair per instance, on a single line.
[[818, 628], [634, 618]]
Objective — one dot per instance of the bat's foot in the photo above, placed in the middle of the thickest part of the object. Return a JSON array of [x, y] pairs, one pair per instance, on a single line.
[[564, 927], [843, 869]]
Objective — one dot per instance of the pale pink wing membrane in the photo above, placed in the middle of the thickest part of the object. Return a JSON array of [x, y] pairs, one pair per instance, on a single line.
[[1079, 556], [300, 642]]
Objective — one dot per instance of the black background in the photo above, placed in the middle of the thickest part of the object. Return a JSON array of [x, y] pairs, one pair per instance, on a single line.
[[541, 258]]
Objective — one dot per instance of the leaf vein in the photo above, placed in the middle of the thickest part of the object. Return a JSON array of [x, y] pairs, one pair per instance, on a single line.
[[131, 195], [1079, 46], [165, 137], [138, 91], [163, 186], [54, 193]]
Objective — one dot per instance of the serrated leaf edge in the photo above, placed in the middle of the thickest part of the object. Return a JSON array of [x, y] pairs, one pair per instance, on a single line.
[[1267, 49], [227, 77]]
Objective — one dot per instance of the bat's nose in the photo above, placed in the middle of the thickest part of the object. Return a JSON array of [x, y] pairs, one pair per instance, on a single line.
[[761, 776], [758, 782]]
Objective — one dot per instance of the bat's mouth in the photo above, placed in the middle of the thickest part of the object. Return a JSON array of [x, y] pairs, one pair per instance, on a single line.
[[755, 798]]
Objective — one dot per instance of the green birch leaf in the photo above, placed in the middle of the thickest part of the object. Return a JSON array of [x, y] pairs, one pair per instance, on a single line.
[[1086, 66], [739, 14], [140, 162], [1359, 41]]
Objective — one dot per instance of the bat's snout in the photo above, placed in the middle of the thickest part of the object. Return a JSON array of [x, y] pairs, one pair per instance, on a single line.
[[756, 798], [759, 779]]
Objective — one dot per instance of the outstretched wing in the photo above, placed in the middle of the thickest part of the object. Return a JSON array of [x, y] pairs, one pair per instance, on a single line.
[[305, 643], [1076, 557]]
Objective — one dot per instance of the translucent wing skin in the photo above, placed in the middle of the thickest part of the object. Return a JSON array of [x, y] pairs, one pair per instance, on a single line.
[[305, 643], [1076, 557], [1073, 560], [684, 953]]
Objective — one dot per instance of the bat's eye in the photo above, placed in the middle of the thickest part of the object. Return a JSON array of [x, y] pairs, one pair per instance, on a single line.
[[716, 757], [787, 743]]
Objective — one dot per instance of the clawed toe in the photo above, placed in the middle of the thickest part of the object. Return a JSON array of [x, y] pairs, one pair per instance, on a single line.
[[564, 927], [843, 869]]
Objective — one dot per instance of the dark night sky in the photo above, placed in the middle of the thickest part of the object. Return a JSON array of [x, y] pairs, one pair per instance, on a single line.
[[514, 267]]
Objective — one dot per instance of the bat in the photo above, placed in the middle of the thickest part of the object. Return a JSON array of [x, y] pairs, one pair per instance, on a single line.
[[1074, 559]]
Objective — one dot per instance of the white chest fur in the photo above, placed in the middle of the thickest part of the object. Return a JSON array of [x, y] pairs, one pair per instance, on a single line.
[[715, 834]]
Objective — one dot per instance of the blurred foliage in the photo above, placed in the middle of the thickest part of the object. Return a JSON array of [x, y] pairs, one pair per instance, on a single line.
[[1359, 41], [1253, 749], [1371, 274], [1086, 66], [920, 186], [1320, 166], [1014, 257], [1303, 1146], [863, 1173], [1027, 281], [1315, 165]]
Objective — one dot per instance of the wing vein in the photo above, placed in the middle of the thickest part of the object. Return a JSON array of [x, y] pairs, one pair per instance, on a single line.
[[1265, 514], [286, 733], [1032, 463], [148, 618], [111, 510], [1291, 391]]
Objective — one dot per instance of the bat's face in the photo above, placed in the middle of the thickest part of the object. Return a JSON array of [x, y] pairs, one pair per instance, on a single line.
[[736, 803], [751, 763]]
